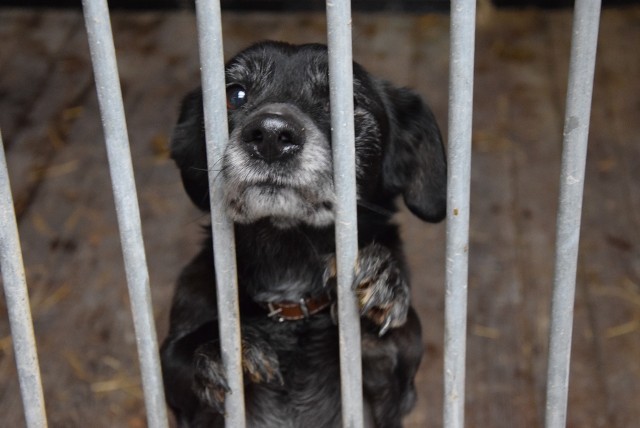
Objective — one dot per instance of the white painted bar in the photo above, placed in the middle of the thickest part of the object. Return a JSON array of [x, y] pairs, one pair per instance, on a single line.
[[458, 193], [346, 221], [574, 155], [105, 68], [17, 300], [224, 249]]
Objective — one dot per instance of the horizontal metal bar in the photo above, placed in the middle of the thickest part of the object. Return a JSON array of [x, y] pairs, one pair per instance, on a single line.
[[17, 299], [346, 222], [217, 135], [574, 155], [458, 185], [105, 69]]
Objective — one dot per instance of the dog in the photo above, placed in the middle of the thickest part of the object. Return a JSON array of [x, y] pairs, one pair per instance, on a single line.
[[279, 192]]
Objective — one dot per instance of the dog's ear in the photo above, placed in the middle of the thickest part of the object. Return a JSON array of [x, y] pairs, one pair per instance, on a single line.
[[188, 149], [414, 163]]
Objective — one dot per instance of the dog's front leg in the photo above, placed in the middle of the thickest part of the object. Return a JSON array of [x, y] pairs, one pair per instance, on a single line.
[[208, 381], [381, 287], [380, 284]]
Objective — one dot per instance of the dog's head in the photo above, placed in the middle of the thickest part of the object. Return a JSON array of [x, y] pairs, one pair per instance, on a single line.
[[277, 163]]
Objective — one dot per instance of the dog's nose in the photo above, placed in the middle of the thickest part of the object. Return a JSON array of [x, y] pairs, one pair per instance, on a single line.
[[272, 137]]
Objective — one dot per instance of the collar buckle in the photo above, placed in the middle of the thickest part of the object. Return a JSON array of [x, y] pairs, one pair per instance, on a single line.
[[274, 312]]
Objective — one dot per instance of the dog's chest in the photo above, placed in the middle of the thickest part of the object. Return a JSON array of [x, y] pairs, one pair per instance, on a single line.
[[309, 362]]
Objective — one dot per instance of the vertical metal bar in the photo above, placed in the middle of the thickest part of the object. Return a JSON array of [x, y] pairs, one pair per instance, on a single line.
[[576, 131], [103, 57], [346, 222], [17, 298], [217, 135], [459, 176]]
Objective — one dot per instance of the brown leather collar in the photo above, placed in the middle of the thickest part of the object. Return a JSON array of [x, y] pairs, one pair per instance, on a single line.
[[294, 311]]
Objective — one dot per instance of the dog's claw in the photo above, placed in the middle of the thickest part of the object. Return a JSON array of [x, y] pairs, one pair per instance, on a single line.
[[263, 371], [385, 327]]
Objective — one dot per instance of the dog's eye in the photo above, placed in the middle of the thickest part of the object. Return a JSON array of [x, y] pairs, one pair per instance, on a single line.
[[236, 96]]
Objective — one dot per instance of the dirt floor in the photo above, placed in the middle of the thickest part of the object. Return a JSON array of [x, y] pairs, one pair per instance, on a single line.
[[55, 149]]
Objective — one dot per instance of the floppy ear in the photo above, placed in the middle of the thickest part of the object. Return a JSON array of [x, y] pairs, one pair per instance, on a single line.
[[414, 163], [188, 149]]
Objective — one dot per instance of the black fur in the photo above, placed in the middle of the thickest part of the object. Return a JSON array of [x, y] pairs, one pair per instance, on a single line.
[[279, 191]]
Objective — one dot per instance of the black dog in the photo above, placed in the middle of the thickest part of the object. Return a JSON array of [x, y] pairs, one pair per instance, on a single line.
[[277, 173]]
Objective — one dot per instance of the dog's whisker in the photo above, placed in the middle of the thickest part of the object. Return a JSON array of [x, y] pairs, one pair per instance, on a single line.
[[375, 208], [216, 164], [198, 169], [198, 219], [218, 172]]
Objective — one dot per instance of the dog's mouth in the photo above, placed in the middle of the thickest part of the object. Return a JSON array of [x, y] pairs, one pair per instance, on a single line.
[[285, 206]]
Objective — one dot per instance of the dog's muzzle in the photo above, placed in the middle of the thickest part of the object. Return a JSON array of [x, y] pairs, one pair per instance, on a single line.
[[278, 165]]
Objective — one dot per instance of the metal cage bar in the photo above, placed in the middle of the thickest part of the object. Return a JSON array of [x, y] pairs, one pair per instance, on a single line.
[[458, 185], [574, 154], [103, 58], [217, 134], [346, 222], [17, 299]]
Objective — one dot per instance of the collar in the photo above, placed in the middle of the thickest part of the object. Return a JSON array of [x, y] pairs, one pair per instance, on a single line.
[[294, 311]]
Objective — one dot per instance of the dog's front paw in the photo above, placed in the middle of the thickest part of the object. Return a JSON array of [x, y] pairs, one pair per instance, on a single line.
[[209, 381], [383, 292]]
